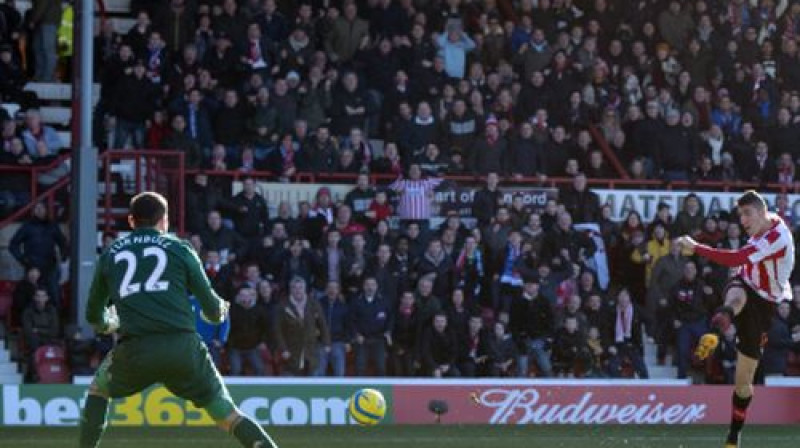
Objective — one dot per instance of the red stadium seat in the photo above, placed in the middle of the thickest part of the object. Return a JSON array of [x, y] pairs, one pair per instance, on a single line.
[[55, 372], [51, 364], [49, 353]]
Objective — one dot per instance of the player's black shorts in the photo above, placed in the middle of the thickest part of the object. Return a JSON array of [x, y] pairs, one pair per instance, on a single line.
[[753, 322]]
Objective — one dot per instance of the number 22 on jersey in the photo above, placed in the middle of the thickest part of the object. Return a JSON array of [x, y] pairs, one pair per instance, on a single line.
[[153, 282]]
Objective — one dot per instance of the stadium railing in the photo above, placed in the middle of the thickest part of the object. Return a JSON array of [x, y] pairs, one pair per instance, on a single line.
[[159, 169]]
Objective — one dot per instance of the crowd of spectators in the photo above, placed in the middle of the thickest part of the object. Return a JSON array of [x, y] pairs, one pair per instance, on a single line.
[[699, 90]]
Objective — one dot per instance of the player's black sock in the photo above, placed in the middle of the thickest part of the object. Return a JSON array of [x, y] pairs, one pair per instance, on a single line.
[[738, 416], [252, 435], [93, 421], [722, 319]]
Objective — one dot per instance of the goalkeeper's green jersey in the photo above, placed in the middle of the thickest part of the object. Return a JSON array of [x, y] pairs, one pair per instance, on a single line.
[[147, 275]]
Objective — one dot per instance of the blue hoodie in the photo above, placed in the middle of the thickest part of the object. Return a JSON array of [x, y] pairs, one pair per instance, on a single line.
[[207, 331]]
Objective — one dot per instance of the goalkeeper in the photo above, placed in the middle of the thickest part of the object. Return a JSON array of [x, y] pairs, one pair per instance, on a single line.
[[145, 277]]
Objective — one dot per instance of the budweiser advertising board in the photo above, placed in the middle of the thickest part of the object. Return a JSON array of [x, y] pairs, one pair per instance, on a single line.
[[525, 404]]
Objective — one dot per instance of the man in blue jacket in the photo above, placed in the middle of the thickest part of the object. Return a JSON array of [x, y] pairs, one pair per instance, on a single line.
[[372, 324], [337, 314]]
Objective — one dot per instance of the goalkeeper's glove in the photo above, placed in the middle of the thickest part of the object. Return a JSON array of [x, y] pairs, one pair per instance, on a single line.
[[223, 313], [111, 320]]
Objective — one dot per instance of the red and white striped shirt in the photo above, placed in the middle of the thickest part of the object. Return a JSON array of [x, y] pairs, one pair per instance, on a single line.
[[416, 197], [765, 263]]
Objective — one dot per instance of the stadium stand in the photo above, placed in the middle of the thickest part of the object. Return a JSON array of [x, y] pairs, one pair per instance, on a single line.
[[215, 102]]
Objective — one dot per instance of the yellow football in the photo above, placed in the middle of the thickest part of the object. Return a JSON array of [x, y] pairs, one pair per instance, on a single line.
[[367, 407]]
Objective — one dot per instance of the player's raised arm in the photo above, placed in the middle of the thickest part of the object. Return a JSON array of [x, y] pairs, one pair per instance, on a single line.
[[726, 257], [214, 308]]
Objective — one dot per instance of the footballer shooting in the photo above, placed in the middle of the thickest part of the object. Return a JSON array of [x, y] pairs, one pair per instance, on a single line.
[[140, 292], [761, 279]]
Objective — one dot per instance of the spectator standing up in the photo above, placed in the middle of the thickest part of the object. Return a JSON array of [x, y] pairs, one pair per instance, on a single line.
[[491, 154], [454, 44], [531, 325], [40, 243], [248, 333], [44, 20], [372, 326], [348, 34], [215, 336], [24, 291], [780, 341], [222, 239], [439, 348], [251, 213], [416, 196], [473, 345], [487, 200], [133, 106], [581, 203], [337, 316], [570, 349], [667, 272], [676, 148], [627, 336], [689, 302], [501, 351], [301, 330], [405, 336]]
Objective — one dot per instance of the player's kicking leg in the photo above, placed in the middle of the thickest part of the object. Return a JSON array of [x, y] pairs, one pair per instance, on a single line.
[[735, 300]]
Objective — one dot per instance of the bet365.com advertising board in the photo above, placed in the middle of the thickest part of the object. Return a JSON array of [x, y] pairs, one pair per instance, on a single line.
[[324, 402]]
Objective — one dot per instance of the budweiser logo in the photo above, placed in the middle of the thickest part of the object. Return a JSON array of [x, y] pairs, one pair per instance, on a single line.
[[523, 406]]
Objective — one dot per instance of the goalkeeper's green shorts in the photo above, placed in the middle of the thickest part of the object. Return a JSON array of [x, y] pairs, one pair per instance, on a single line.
[[180, 361]]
